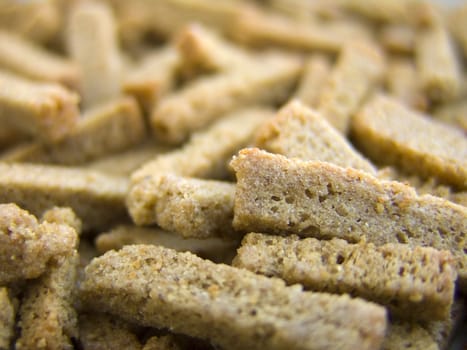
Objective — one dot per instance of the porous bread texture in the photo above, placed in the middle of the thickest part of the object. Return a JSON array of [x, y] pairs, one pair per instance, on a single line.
[[233, 308], [301, 132], [7, 318], [27, 246], [275, 194], [187, 206], [390, 133], [413, 283]]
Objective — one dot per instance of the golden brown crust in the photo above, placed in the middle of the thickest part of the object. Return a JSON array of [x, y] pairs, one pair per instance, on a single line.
[[413, 283], [233, 308], [317, 199]]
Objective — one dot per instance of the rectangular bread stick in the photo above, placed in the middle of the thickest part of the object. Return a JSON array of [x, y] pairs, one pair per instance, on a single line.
[[300, 132], [7, 318], [413, 283], [215, 249], [32, 61], [259, 28], [359, 67], [108, 128], [390, 133], [203, 101], [438, 67], [98, 199], [204, 50], [102, 331], [403, 84], [47, 317], [27, 246], [233, 308], [198, 158], [193, 208], [316, 71], [318, 199], [91, 40], [153, 77], [45, 111]]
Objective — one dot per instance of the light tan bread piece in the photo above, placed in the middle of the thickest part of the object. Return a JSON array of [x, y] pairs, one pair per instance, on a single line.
[[98, 331], [301, 132], [7, 319], [92, 43], [193, 208], [166, 342], [413, 283], [316, 71], [233, 308], [32, 61], [45, 111], [359, 67], [318, 199], [47, 318], [153, 77], [126, 162], [27, 246], [398, 38], [202, 49], [204, 100], [406, 335], [458, 25], [412, 12], [215, 249], [38, 21], [391, 133], [208, 151], [438, 67], [137, 17], [98, 199], [453, 113], [403, 84], [259, 28], [105, 129]]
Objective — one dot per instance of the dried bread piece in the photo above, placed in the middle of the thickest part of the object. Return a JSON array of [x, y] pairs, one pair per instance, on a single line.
[[316, 71], [260, 28], [318, 199], [359, 67], [98, 199], [402, 83], [300, 132], [108, 128], [391, 133], [105, 332], [27, 246], [398, 38], [204, 50], [126, 162], [7, 319], [413, 283], [32, 61], [92, 43], [46, 111], [187, 206], [406, 335], [438, 67], [207, 152], [215, 249], [453, 113], [234, 308], [47, 316], [153, 77], [204, 100]]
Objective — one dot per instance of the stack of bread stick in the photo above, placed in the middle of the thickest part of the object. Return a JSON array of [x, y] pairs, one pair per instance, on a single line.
[[237, 174]]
